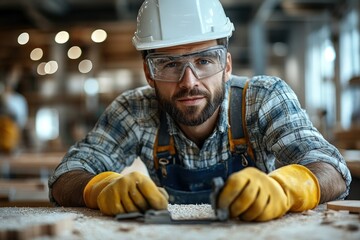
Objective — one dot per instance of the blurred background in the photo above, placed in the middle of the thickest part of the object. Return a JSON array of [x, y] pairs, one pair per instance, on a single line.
[[63, 61]]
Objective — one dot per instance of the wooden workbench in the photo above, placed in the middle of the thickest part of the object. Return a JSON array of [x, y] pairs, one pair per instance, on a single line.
[[82, 223], [41, 164]]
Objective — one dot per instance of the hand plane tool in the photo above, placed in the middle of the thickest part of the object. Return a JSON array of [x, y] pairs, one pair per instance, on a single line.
[[164, 216]]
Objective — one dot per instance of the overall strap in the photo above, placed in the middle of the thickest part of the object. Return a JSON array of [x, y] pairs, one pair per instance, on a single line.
[[238, 138], [164, 149]]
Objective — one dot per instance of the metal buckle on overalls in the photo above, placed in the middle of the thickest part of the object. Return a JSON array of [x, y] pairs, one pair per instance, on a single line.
[[241, 149], [163, 162], [244, 161]]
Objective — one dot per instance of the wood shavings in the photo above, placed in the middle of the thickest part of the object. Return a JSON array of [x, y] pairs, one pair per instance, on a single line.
[[308, 212], [336, 219], [126, 228], [347, 226]]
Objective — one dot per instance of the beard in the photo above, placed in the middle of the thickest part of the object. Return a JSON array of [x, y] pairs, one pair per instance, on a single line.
[[189, 116]]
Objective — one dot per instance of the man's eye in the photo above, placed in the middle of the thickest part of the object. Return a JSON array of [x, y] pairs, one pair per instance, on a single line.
[[171, 65], [203, 61]]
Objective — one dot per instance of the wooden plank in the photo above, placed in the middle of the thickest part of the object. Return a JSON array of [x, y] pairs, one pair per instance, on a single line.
[[23, 193], [348, 205], [30, 163], [23, 184]]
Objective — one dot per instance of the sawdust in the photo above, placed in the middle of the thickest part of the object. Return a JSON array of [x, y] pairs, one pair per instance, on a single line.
[[91, 224], [125, 229], [22, 217], [191, 211]]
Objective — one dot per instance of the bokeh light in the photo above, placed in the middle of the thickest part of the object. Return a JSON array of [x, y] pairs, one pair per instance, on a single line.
[[99, 35], [74, 52], [85, 66], [62, 37], [51, 67], [36, 54], [23, 38]]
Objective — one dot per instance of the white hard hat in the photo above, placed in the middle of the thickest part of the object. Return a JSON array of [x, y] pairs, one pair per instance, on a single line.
[[165, 23]]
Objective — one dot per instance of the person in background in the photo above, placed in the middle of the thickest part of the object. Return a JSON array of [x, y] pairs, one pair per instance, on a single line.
[[188, 68], [13, 111]]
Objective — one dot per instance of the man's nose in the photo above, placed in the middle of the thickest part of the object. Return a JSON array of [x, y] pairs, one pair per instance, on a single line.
[[189, 79]]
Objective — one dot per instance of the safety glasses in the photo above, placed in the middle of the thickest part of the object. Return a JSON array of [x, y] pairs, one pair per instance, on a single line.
[[171, 68]]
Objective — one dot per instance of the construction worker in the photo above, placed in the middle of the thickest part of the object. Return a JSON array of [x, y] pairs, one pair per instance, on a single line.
[[180, 128]]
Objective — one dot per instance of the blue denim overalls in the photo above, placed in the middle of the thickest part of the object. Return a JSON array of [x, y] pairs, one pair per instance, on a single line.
[[193, 186]]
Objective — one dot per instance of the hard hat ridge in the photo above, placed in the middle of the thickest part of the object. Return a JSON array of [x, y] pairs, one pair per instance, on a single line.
[[165, 23]]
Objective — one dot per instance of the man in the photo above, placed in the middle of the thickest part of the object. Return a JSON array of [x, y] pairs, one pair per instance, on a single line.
[[188, 68]]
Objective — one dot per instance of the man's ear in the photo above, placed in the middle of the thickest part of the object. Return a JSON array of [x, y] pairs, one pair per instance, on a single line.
[[228, 67], [147, 75]]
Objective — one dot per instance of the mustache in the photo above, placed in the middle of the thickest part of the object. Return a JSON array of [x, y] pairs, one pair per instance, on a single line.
[[188, 93]]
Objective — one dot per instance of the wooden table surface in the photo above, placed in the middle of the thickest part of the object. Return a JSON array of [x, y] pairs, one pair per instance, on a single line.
[[82, 223]]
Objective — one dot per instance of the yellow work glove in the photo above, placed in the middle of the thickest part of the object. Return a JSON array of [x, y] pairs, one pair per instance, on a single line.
[[253, 195], [10, 134], [114, 193]]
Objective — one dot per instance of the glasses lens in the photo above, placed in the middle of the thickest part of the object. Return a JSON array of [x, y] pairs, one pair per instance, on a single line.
[[170, 68]]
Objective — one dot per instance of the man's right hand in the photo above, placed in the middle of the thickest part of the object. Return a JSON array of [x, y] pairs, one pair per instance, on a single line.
[[114, 193]]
